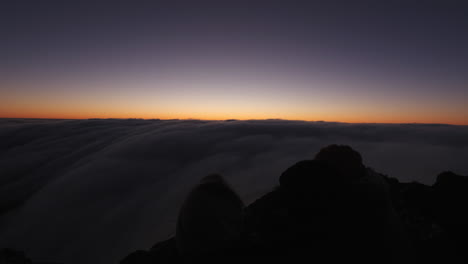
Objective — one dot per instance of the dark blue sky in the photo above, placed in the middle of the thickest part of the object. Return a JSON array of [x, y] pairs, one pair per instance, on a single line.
[[415, 51]]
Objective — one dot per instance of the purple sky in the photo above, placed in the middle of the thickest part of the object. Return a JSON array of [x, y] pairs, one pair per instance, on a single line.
[[313, 60]]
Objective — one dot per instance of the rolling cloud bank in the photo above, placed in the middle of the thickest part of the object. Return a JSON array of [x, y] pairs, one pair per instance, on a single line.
[[84, 191]]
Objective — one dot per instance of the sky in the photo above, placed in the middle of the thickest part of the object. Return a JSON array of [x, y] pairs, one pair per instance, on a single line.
[[347, 61]]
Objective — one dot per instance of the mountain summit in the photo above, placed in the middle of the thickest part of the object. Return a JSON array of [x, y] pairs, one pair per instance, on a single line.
[[330, 208]]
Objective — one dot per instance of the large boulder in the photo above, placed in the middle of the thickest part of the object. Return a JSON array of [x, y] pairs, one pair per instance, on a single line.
[[451, 197], [210, 219], [331, 209], [309, 177], [346, 160], [451, 200]]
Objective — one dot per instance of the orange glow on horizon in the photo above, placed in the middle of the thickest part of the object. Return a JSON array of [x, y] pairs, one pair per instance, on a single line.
[[330, 118], [220, 105]]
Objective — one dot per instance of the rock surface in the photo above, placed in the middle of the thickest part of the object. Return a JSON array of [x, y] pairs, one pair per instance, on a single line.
[[319, 213]]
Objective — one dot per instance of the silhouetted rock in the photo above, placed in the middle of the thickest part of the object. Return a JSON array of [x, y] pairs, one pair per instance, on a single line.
[[450, 208], [10, 256], [309, 176], [449, 179], [267, 221], [451, 193], [331, 208], [162, 252], [210, 220], [344, 159], [139, 256]]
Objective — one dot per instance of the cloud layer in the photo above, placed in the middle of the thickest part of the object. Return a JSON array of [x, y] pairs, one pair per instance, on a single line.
[[90, 191]]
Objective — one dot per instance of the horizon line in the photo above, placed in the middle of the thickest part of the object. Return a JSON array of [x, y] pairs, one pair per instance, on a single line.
[[235, 119]]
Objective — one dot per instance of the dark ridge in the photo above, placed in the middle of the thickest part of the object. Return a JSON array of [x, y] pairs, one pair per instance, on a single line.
[[317, 213]]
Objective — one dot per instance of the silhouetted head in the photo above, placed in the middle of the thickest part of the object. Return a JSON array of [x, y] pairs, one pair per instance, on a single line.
[[344, 159]]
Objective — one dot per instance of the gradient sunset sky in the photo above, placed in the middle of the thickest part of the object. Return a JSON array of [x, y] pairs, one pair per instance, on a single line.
[[348, 61]]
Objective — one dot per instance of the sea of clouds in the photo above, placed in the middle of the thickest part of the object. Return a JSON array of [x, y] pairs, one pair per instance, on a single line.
[[91, 191]]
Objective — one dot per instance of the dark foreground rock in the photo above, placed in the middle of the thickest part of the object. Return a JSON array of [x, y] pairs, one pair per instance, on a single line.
[[11, 256], [320, 217]]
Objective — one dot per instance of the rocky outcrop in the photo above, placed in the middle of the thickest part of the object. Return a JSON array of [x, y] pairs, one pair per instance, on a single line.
[[334, 208]]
